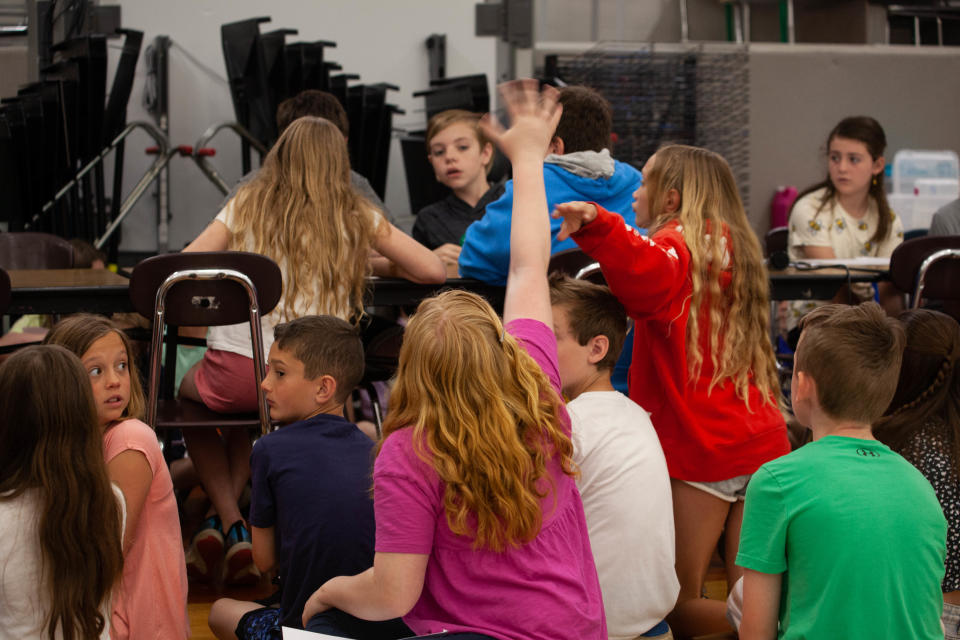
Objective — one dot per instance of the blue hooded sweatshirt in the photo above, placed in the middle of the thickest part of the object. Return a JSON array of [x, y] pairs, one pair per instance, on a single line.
[[485, 254]]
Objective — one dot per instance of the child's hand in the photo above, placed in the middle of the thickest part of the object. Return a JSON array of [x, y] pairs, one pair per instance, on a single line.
[[449, 253], [575, 215], [534, 115]]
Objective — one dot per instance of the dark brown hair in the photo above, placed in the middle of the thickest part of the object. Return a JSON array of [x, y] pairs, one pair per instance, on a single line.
[[592, 311], [868, 131], [853, 355], [78, 333], [51, 442], [587, 120], [316, 103], [928, 392], [326, 346]]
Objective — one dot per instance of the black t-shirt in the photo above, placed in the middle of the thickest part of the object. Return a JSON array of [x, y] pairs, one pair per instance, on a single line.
[[446, 221], [311, 480]]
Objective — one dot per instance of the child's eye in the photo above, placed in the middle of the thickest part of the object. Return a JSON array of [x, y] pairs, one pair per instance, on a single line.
[[122, 366], [834, 157], [437, 153], [95, 371], [854, 160], [463, 147]]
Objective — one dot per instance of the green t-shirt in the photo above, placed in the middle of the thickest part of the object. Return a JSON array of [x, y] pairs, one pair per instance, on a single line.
[[859, 536]]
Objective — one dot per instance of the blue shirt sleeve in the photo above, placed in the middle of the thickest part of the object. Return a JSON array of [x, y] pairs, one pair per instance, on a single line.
[[485, 254]]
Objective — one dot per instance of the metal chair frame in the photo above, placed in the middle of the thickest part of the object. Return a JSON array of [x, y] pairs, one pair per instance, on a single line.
[[929, 261], [256, 334]]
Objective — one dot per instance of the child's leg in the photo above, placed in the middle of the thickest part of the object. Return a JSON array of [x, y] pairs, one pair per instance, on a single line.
[[731, 543], [699, 519], [225, 615]]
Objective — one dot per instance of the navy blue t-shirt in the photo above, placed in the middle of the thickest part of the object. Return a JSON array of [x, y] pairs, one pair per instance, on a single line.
[[311, 480]]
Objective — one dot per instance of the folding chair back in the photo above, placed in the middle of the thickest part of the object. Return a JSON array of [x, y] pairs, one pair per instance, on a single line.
[[204, 289], [576, 264], [907, 260]]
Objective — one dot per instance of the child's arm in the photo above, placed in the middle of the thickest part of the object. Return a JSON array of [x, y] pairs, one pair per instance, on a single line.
[[215, 237], [761, 605], [130, 471], [387, 590], [534, 116], [647, 274], [264, 541], [405, 257]]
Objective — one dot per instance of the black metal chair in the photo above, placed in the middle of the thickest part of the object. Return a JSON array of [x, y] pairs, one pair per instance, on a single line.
[[34, 250], [909, 259], [4, 291], [203, 289], [576, 264]]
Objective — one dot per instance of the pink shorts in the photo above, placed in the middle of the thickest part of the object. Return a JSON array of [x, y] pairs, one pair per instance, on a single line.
[[226, 383]]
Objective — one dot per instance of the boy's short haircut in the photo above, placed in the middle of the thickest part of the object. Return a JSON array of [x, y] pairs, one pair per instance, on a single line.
[[326, 346], [586, 123], [316, 103], [444, 119], [85, 254], [853, 354], [592, 311]]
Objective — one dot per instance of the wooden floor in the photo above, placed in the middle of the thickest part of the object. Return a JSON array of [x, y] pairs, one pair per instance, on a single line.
[[203, 595]]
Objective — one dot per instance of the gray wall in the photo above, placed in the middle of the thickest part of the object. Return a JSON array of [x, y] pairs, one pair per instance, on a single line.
[[798, 93]]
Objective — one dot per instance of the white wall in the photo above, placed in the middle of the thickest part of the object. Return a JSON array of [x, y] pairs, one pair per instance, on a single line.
[[382, 40]]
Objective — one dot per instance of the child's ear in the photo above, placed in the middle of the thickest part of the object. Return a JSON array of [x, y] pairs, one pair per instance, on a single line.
[[326, 389], [486, 153], [671, 201], [599, 345], [556, 146]]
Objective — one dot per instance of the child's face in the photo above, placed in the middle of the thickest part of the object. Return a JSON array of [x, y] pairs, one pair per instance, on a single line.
[[851, 167], [572, 357], [106, 362], [641, 203], [290, 396], [457, 159]]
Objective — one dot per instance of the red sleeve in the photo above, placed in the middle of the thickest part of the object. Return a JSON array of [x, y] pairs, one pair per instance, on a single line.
[[647, 274]]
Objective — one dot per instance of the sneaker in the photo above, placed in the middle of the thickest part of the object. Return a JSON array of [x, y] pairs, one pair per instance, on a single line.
[[206, 549], [238, 566]]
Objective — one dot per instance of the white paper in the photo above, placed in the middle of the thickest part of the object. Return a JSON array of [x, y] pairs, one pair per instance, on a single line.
[[850, 262], [289, 633]]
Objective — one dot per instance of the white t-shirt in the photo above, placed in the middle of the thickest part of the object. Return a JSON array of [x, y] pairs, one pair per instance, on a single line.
[[235, 338], [833, 227], [626, 495], [23, 610]]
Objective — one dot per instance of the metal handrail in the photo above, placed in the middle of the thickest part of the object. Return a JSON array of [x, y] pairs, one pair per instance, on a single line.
[[163, 157], [208, 135]]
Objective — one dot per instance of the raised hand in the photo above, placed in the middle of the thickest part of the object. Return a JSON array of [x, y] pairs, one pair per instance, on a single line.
[[575, 215], [534, 115]]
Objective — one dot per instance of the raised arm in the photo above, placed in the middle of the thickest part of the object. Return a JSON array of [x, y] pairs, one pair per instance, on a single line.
[[534, 116]]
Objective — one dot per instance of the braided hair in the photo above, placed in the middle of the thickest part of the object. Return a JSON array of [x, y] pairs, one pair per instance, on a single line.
[[928, 393]]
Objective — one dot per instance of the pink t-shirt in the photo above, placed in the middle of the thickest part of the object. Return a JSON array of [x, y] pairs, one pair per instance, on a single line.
[[152, 599], [543, 590]]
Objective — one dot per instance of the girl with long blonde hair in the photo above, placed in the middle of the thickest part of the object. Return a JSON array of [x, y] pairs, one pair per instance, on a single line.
[[302, 211], [702, 363], [60, 519], [480, 528]]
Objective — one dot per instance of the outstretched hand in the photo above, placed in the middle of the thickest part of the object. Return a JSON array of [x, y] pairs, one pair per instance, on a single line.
[[534, 115], [575, 215]]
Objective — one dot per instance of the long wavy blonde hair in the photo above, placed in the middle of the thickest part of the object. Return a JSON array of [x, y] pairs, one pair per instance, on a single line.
[[738, 316], [302, 211], [484, 416]]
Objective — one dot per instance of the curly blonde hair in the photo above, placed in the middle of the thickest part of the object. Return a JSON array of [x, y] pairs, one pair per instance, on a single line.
[[738, 316], [302, 211], [484, 416]]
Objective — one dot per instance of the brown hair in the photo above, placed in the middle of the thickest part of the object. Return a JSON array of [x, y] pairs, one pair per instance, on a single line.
[[326, 346], [316, 103], [450, 117], [592, 311], [868, 131], [586, 123], [928, 392], [853, 355], [51, 442], [483, 415], [78, 333], [737, 316], [85, 254]]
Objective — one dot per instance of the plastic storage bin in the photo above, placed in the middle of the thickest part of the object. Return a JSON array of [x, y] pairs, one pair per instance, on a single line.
[[911, 165]]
